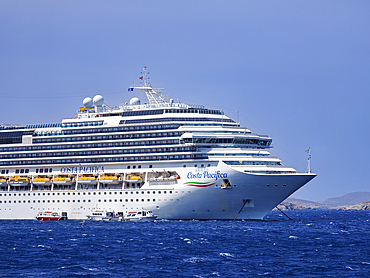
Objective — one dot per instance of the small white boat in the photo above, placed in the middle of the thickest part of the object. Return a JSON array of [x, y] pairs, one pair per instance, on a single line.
[[103, 215], [140, 215], [51, 216]]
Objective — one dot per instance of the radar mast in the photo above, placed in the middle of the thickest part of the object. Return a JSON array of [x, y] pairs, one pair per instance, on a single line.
[[153, 96]]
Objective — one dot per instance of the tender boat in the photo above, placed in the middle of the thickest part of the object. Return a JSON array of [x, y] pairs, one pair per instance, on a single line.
[[103, 215], [109, 178], [19, 181], [42, 180], [133, 178], [3, 181], [51, 216], [87, 179], [140, 215], [63, 180]]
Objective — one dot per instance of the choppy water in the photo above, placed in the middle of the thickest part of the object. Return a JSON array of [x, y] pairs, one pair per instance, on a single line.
[[313, 244]]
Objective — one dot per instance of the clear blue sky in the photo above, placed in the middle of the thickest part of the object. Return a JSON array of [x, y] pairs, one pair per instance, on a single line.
[[297, 71]]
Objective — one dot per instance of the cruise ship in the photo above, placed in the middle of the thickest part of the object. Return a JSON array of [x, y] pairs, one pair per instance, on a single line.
[[180, 161]]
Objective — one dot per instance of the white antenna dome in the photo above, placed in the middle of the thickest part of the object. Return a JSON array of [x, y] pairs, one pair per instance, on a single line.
[[134, 101], [88, 102], [98, 100]]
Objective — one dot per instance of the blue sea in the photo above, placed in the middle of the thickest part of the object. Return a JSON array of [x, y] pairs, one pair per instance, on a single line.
[[312, 244]]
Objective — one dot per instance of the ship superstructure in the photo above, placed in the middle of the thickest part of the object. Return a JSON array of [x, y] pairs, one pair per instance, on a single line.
[[181, 161]]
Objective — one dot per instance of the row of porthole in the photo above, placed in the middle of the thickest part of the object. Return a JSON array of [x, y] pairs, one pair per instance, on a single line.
[[73, 201], [276, 185], [89, 193]]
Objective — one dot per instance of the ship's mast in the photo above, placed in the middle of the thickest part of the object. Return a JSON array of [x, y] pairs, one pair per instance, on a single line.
[[309, 161], [152, 95]]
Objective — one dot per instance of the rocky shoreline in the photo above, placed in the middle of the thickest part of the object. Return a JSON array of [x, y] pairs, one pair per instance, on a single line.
[[290, 206], [361, 206]]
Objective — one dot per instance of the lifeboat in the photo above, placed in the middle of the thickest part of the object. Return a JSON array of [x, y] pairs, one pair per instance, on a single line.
[[87, 179], [133, 178], [19, 181], [3, 181], [109, 178], [41, 180], [63, 180]]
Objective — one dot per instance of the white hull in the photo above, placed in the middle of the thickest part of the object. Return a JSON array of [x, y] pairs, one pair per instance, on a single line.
[[174, 200], [141, 219]]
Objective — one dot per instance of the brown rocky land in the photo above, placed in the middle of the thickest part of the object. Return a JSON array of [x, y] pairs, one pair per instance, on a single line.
[[360, 206]]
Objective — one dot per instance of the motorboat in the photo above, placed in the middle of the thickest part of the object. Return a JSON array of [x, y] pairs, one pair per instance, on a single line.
[[103, 215], [51, 216], [140, 215]]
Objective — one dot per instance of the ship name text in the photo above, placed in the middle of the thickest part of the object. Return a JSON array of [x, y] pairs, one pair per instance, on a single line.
[[81, 170], [206, 175]]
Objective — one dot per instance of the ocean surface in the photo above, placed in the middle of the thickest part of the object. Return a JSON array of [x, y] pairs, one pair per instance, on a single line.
[[312, 244]]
